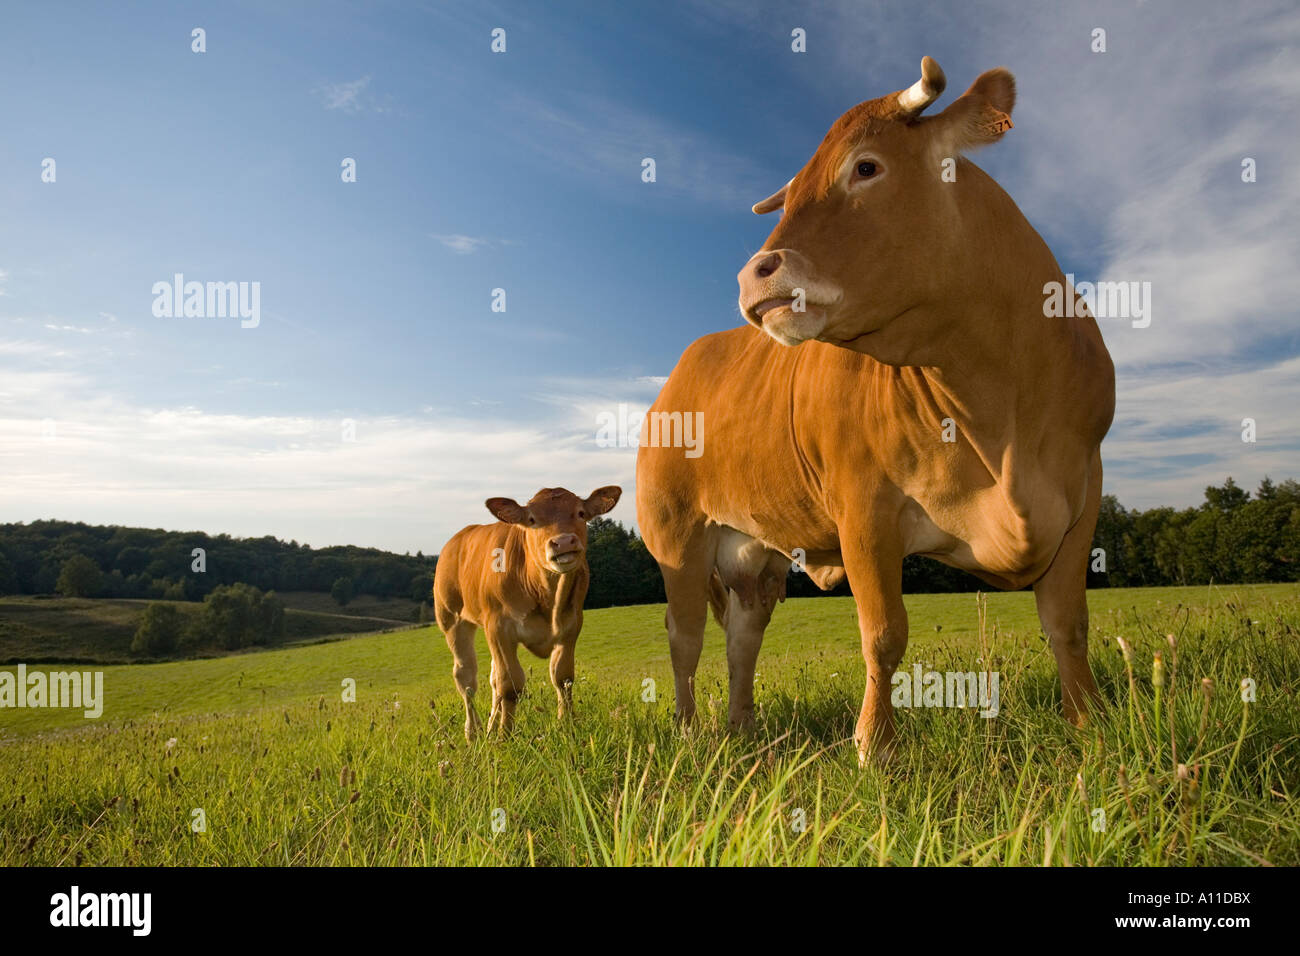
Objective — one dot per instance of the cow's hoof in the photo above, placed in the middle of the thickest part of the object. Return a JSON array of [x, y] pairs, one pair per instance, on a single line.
[[742, 725], [876, 749]]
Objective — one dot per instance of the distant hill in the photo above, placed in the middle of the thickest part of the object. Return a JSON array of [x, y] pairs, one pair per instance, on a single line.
[[83, 630]]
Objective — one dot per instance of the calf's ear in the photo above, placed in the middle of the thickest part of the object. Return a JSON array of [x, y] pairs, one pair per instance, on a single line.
[[602, 500], [507, 510], [979, 116]]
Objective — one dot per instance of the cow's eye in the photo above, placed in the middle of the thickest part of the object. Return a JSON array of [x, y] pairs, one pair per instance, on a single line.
[[532, 520], [582, 514], [866, 169]]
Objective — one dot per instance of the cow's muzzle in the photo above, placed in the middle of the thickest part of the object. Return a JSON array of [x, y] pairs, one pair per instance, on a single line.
[[779, 295]]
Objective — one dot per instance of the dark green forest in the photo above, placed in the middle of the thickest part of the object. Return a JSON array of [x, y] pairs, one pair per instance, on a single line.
[[151, 563], [1232, 537]]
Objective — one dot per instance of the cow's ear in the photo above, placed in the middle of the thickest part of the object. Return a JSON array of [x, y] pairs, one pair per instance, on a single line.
[[508, 510], [979, 116], [602, 500]]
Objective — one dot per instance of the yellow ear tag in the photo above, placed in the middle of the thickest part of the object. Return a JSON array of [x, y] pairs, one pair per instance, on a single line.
[[999, 122]]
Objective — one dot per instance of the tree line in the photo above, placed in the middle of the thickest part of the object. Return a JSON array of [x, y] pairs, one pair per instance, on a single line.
[[152, 563], [1231, 537]]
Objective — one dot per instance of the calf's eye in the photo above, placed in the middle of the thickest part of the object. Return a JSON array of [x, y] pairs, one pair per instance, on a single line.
[[866, 170], [582, 514]]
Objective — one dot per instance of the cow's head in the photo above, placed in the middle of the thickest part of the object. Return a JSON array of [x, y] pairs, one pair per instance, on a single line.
[[874, 233], [555, 523]]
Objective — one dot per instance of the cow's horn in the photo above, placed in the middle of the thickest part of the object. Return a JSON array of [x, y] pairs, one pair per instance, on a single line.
[[925, 90], [774, 201]]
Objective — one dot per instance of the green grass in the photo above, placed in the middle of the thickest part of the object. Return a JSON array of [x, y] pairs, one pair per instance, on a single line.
[[286, 773], [101, 629]]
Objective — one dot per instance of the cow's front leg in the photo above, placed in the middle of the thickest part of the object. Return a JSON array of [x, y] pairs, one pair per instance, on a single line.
[[562, 675], [874, 562], [1062, 597], [507, 679], [687, 588]]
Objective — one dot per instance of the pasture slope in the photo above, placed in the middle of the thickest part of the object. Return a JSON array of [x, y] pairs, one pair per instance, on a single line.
[[101, 629], [284, 772]]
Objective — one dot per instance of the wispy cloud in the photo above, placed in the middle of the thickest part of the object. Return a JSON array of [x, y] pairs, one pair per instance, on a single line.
[[607, 141], [464, 245], [353, 96]]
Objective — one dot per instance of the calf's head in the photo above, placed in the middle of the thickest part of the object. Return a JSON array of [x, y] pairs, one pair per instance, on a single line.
[[872, 228], [555, 523]]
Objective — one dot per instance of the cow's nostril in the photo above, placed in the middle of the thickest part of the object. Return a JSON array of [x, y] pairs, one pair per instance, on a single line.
[[769, 264]]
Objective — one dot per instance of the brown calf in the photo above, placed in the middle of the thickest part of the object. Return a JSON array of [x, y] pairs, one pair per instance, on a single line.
[[522, 580]]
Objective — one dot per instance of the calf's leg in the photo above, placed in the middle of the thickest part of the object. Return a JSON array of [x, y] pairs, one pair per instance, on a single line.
[[464, 670], [562, 676], [507, 680]]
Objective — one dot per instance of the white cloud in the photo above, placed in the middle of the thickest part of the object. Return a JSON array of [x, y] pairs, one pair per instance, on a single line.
[[1174, 434], [406, 483], [464, 245], [349, 97]]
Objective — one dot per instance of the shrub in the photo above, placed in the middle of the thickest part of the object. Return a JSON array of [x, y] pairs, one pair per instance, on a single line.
[[159, 631], [341, 592]]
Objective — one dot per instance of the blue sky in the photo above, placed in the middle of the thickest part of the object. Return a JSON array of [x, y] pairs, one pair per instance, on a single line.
[[521, 171]]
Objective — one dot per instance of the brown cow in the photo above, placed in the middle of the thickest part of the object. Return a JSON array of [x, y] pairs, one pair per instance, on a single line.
[[522, 580], [928, 407]]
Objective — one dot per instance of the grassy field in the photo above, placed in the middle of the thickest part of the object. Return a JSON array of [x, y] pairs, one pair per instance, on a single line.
[[100, 630], [399, 609], [284, 772]]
